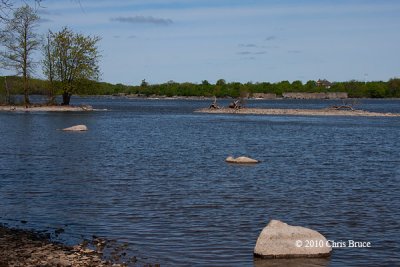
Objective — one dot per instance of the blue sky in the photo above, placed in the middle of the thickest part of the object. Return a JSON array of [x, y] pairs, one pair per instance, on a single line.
[[254, 40]]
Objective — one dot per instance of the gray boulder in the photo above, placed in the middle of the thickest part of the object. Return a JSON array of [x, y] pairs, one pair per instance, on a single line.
[[241, 160], [280, 240], [76, 128]]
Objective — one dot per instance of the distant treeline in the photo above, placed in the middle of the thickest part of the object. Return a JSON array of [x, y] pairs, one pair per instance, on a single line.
[[355, 89]]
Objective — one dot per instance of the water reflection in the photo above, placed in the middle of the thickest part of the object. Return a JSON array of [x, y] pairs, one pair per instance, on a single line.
[[301, 262]]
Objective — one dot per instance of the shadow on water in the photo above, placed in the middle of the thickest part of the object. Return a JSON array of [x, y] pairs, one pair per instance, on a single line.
[[302, 262]]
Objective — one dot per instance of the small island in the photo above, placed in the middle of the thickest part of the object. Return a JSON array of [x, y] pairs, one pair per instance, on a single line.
[[297, 112], [44, 108]]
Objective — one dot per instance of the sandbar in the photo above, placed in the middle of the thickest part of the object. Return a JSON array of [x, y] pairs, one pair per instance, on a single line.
[[297, 112], [45, 108]]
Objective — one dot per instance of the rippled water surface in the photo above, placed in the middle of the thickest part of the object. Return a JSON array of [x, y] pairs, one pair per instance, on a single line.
[[152, 173]]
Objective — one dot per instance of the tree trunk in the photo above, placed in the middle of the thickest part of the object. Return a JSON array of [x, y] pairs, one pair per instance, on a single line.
[[66, 98], [8, 97], [51, 96], [52, 99], [26, 91]]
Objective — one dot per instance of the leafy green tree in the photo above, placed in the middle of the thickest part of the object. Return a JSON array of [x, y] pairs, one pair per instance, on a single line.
[[48, 65], [394, 87], [264, 87], [338, 87], [376, 89], [356, 89], [20, 41], [310, 86], [144, 83], [205, 83], [297, 86], [221, 82], [75, 57], [282, 87]]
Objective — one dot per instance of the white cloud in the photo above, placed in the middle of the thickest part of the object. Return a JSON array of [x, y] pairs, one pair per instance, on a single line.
[[143, 20]]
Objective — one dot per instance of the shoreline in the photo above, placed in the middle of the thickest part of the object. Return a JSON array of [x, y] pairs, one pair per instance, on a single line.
[[297, 112], [279, 98], [28, 248], [33, 108]]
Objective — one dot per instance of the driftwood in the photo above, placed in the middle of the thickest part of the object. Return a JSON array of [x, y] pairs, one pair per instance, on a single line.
[[342, 107], [345, 106], [214, 105], [237, 104]]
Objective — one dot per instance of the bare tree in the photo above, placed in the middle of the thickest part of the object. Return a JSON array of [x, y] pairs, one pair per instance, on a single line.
[[20, 41], [7, 6]]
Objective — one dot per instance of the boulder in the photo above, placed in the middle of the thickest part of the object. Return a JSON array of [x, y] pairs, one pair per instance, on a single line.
[[76, 128], [241, 160], [280, 240]]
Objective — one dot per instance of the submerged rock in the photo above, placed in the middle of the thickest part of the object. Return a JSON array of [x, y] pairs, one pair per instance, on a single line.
[[280, 240], [76, 128], [241, 160]]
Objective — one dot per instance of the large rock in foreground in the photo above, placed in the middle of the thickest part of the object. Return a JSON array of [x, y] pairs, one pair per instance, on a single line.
[[241, 160], [280, 240], [76, 128]]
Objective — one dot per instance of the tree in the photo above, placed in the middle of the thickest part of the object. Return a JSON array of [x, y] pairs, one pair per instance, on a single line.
[[20, 42], [310, 86], [205, 82], [394, 87], [48, 64], [282, 87], [221, 82], [7, 5], [297, 86], [75, 57], [144, 83]]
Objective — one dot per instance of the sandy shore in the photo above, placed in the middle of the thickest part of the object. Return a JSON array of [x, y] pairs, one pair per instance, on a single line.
[[45, 108], [298, 112]]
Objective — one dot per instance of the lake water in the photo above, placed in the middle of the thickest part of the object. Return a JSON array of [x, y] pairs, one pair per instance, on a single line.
[[151, 173]]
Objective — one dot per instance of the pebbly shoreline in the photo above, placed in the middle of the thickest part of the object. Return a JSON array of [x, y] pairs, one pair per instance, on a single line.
[[28, 248], [297, 112]]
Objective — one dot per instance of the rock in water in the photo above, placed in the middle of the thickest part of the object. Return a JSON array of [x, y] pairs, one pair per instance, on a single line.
[[76, 128], [241, 160], [280, 240]]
